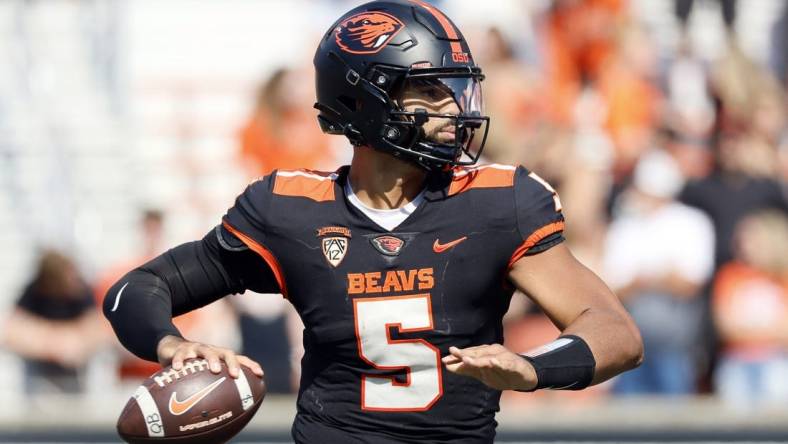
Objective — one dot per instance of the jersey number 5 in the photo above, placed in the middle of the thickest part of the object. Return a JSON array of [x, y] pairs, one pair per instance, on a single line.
[[417, 358]]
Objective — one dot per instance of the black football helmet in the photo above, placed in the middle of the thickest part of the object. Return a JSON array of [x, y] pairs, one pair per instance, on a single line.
[[378, 50]]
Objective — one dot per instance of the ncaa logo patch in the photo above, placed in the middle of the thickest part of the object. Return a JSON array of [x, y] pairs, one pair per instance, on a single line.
[[334, 249], [367, 32]]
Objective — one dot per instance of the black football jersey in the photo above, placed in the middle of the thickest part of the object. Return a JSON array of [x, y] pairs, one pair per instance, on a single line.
[[380, 308]]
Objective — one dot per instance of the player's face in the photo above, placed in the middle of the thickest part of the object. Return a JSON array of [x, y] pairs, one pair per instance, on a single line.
[[436, 100]]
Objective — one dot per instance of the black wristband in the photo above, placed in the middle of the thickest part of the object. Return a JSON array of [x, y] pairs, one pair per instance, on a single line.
[[570, 366]]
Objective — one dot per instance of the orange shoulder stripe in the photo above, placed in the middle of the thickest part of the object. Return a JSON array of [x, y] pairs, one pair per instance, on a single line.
[[487, 176], [265, 253], [534, 239], [318, 186]]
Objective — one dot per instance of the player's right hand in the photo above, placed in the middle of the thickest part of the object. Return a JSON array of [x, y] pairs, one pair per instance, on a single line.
[[173, 350], [494, 365]]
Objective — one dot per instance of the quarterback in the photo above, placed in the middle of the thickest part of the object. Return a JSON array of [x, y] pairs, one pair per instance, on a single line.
[[402, 264]]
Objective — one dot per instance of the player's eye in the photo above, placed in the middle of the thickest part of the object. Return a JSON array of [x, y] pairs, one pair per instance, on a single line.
[[425, 90], [429, 93], [433, 93]]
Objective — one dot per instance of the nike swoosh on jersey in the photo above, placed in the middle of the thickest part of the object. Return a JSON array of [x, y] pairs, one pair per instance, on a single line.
[[117, 297], [181, 407], [440, 248]]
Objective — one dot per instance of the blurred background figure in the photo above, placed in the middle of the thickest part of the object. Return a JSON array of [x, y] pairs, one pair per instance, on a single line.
[[580, 37], [658, 256], [627, 83], [130, 368], [54, 327], [779, 50], [750, 306], [746, 175], [516, 103], [271, 334], [282, 132], [727, 8], [150, 244]]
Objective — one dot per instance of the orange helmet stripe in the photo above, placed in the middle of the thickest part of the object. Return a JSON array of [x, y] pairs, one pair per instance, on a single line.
[[451, 33]]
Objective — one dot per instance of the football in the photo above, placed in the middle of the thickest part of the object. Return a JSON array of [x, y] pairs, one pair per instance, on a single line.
[[191, 405]]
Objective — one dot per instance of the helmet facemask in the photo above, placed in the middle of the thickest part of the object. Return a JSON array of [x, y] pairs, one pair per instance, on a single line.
[[436, 118]]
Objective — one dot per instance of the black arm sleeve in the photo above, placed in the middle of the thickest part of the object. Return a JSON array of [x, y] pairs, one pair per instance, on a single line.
[[140, 306]]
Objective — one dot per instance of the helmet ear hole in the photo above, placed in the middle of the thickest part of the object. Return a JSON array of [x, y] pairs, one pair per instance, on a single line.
[[348, 102]]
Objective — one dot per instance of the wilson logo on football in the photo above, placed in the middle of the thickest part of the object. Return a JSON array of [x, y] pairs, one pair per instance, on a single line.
[[367, 32], [388, 245]]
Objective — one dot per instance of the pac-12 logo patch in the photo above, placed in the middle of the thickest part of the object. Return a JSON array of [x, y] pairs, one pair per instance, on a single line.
[[367, 32], [388, 245], [335, 247]]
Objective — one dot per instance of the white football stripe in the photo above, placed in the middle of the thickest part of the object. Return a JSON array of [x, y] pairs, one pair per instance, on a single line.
[[244, 391], [331, 176], [117, 297], [150, 412]]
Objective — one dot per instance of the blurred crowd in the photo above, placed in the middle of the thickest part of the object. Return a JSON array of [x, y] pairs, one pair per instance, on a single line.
[[672, 170], [673, 175]]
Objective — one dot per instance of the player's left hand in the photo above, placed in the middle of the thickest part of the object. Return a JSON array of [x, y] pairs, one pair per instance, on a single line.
[[493, 365]]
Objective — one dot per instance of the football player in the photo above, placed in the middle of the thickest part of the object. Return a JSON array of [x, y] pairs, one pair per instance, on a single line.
[[402, 264]]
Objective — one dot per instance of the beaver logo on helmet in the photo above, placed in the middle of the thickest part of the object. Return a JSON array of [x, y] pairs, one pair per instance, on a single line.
[[367, 32]]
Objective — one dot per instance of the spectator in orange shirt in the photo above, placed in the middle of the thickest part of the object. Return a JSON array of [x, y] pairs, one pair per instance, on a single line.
[[750, 307], [281, 132], [580, 36], [627, 83]]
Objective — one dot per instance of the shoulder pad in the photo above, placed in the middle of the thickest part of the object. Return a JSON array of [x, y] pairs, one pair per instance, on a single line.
[[315, 185]]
